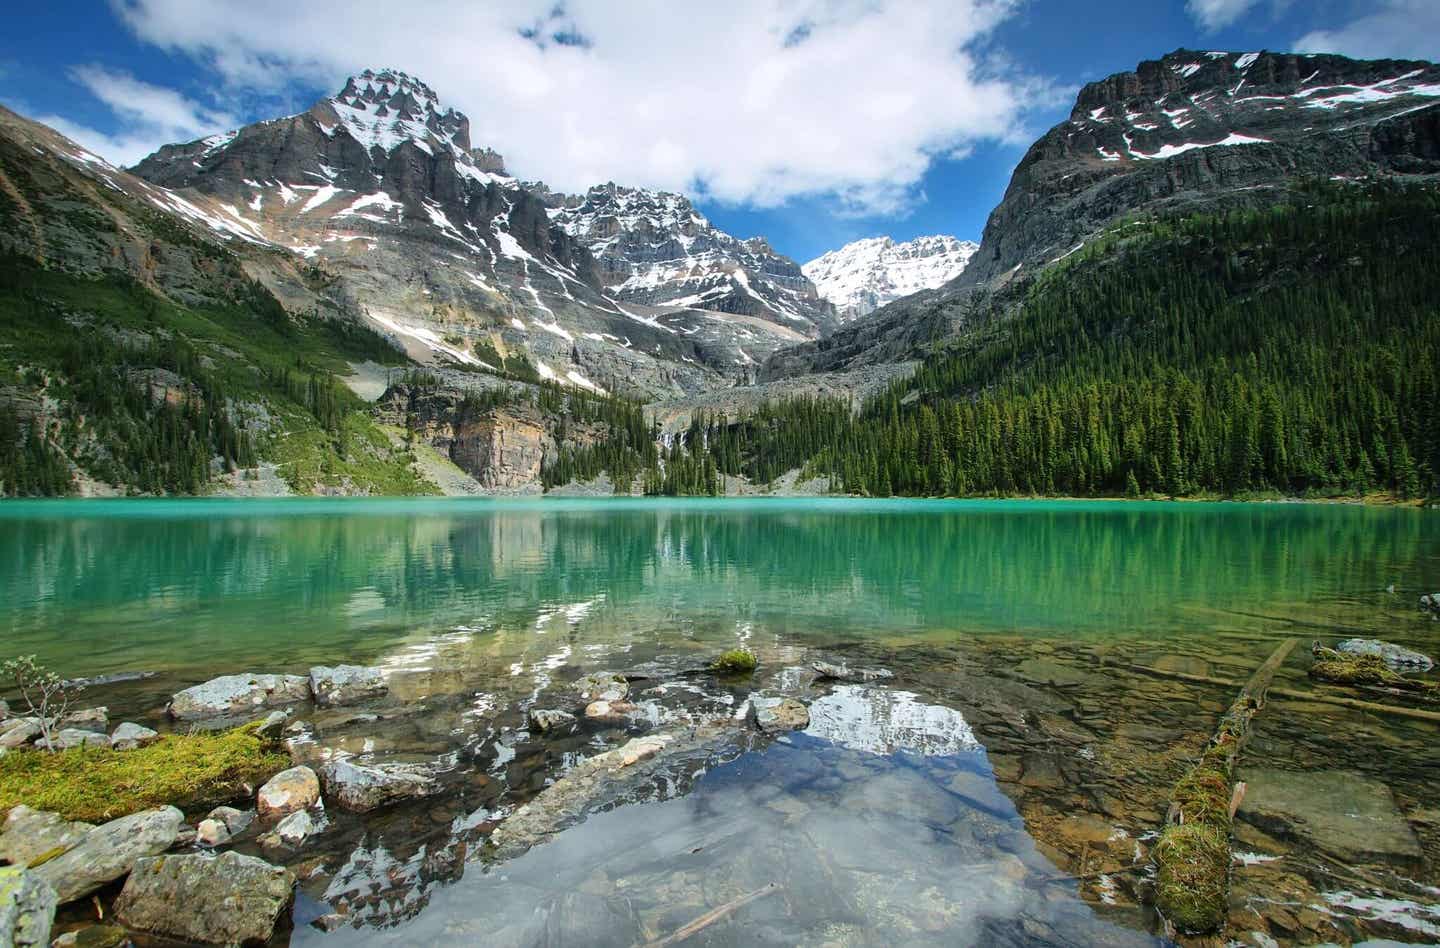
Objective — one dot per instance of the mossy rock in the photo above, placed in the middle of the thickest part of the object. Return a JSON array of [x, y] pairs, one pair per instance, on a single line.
[[737, 661], [189, 771], [1192, 873]]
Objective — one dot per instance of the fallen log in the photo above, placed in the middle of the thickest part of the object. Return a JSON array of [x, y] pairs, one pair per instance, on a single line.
[[1192, 858]]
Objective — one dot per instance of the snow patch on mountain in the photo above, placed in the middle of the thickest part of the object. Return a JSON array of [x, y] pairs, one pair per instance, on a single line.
[[862, 276]]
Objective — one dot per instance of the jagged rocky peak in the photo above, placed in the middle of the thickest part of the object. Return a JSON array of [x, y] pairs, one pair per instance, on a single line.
[[382, 109], [862, 276]]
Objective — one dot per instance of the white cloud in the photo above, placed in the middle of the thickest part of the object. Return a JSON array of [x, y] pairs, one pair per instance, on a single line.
[[149, 116], [747, 101], [1218, 14], [1392, 29]]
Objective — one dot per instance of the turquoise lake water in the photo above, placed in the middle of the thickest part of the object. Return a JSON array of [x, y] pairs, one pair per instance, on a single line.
[[193, 586]]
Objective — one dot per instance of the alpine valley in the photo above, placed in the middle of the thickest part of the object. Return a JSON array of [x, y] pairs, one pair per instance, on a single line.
[[1214, 278]]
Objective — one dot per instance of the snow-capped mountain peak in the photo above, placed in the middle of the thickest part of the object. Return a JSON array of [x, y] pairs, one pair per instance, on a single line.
[[864, 275]]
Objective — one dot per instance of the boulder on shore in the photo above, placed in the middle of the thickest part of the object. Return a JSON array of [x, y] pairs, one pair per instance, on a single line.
[[231, 695], [346, 684], [288, 792], [360, 788], [130, 736], [109, 851], [87, 719], [29, 834], [27, 908], [75, 737], [17, 732], [227, 899]]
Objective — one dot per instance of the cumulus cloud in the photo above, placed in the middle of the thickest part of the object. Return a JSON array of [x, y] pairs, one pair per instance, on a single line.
[[748, 101], [1218, 14], [148, 116], [1391, 29]]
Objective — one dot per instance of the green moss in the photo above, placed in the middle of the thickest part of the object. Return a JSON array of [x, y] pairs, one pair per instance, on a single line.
[[1203, 796], [1192, 866], [95, 784], [737, 661], [1343, 668]]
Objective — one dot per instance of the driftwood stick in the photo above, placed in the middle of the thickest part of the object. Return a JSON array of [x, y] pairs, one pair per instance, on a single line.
[[713, 916], [1236, 797]]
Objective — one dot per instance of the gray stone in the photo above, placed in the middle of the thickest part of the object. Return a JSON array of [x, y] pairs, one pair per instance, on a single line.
[[130, 736], [227, 899], [27, 908], [843, 672], [287, 792], [273, 726], [346, 684], [29, 834], [543, 721], [17, 732], [231, 695], [212, 833], [74, 737], [291, 831], [602, 686], [360, 788], [1430, 603], [1349, 816], [773, 715], [88, 719], [109, 851], [611, 712], [1396, 656], [236, 821]]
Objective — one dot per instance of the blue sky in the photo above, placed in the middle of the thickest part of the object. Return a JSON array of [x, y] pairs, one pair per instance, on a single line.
[[810, 122]]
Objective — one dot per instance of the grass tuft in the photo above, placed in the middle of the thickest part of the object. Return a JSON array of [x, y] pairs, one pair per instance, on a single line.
[[194, 771]]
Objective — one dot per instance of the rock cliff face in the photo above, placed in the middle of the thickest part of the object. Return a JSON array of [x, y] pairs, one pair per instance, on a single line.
[[1190, 130], [502, 447], [433, 243]]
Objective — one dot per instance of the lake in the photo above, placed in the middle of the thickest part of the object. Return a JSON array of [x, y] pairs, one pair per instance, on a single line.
[[1015, 746]]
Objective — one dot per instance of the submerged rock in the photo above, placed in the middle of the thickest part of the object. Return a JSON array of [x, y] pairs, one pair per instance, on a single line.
[[130, 736], [291, 831], [1396, 656], [773, 715], [231, 695], [1349, 816], [346, 684], [360, 788], [95, 936], [227, 899], [30, 834], [287, 792], [109, 851], [543, 721], [272, 726], [843, 672], [236, 821], [611, 712], [602, 686], [27, 908]]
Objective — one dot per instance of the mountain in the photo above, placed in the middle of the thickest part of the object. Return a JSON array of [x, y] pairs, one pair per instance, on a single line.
[[436, 245], [862, 276], [653, 248], [1191, 131]]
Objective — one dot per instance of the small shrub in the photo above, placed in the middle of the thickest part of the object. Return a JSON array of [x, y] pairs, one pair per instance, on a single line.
[[45, 693]]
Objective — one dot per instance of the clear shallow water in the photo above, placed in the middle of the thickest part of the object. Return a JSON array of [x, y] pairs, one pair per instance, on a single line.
[[944, 806]]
